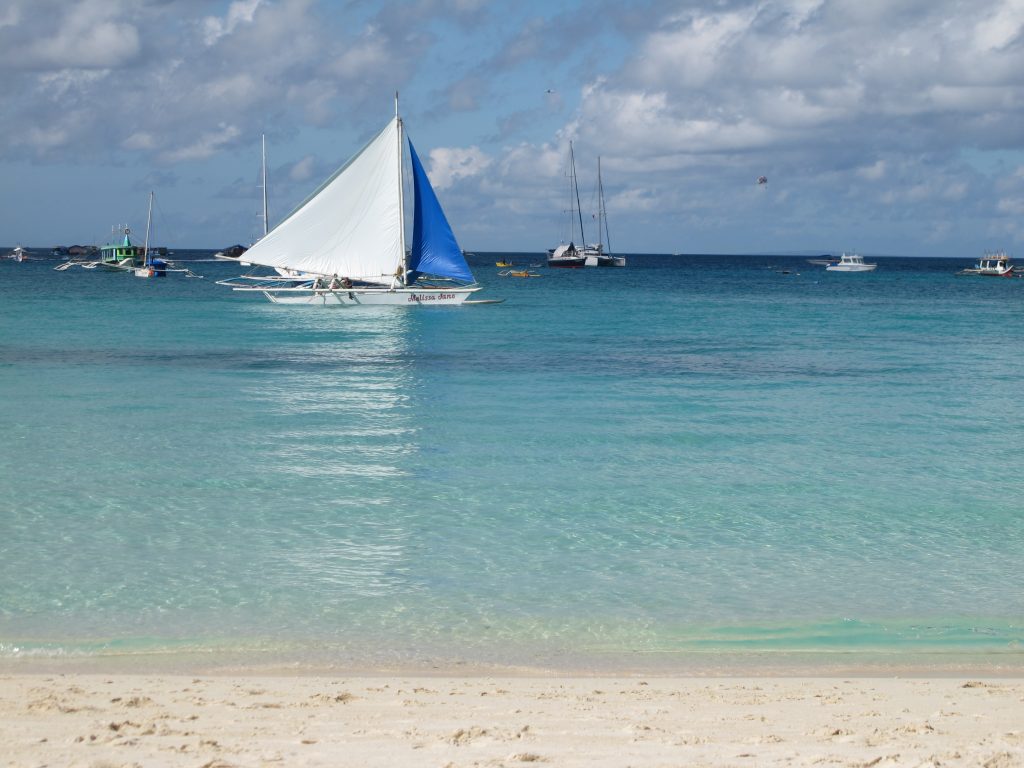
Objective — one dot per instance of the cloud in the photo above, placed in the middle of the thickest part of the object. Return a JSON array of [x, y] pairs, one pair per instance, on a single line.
[[298, 62], [239, 12], [872, 172], [303, 169], [51, 35], [204, 146], [448, 164]]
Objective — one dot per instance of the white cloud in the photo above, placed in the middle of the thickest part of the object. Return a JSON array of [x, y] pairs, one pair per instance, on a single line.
[[303, 169], [239, 12], [140, 140], [872, 172], [1001, 26], [205, 146], [1013, 206], [449, 164]]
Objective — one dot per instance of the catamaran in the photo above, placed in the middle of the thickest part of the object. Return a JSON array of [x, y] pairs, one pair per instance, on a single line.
[[595, 255], [568, 254], [346, 243]]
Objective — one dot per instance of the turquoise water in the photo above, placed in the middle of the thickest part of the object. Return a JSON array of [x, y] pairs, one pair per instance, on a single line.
[[693, 455]]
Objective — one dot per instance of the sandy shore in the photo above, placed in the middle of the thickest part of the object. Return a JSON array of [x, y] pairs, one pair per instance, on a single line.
[[101, 721]]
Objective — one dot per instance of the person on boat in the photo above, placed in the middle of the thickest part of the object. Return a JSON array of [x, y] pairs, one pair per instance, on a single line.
[[346, 283]]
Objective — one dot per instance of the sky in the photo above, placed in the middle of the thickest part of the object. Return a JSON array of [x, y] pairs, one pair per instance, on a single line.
[[882, 126]]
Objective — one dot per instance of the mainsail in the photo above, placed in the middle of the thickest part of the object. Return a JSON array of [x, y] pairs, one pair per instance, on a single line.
[[434, 248], [351, 226]]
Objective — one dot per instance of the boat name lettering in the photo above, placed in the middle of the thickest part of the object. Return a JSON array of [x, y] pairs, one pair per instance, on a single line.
[[431, 296]]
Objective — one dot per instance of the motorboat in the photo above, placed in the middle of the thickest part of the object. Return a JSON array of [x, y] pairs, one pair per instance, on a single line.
[[995, 264], [850, 262]]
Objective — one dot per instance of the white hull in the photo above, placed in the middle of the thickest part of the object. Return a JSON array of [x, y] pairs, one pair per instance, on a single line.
[[850, 267], [356, 297]]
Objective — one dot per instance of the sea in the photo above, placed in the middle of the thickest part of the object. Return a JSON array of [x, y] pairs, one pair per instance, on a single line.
[[694, 463]]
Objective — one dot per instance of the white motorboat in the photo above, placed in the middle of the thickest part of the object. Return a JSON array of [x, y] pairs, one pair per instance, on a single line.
[[995, 264], [850, 262]]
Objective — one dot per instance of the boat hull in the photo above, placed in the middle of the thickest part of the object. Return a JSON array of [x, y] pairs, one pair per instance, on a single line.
[[850, 267], [1008, 272], [575, 262], [380, 297]]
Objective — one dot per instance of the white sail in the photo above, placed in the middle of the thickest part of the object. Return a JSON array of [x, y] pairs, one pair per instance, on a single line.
[[351, 226]]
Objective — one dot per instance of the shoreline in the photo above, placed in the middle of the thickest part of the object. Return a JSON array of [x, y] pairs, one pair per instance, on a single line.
[[501, 720], [710, 664]]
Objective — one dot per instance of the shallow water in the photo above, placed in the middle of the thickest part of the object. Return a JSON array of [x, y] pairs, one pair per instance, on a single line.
[[692, 455]]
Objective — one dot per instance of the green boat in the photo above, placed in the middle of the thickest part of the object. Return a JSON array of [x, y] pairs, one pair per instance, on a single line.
[[122, 256]]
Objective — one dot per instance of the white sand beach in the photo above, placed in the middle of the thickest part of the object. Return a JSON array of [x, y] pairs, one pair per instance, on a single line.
[[102, 721]]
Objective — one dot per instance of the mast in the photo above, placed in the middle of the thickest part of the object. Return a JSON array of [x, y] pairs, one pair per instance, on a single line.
[[401, 200], [602, 215], [576, 189], [600, 208], [149, 219], [266, 225]]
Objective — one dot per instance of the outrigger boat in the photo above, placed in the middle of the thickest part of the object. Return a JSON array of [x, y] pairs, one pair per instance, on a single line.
[[991, 265], [125, 256], [346, 243]]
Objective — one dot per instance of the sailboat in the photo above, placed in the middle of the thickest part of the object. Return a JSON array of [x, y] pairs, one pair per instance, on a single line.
[[346, 243], [595, 255], [150, 266], [568, 255]]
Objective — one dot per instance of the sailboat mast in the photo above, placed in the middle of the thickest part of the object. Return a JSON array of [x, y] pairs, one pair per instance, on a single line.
[[602, 212], [266, 225], [600, 208], [149, 220], [576, 189], [401, 199]]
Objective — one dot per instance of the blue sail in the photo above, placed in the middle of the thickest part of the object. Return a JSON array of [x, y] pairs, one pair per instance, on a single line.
[[434, 249]]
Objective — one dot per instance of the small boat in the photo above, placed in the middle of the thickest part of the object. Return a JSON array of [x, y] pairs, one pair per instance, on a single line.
[[518, 273], [503, 263], [346, 244], [850, 262], [19, 254], [995, 264]]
